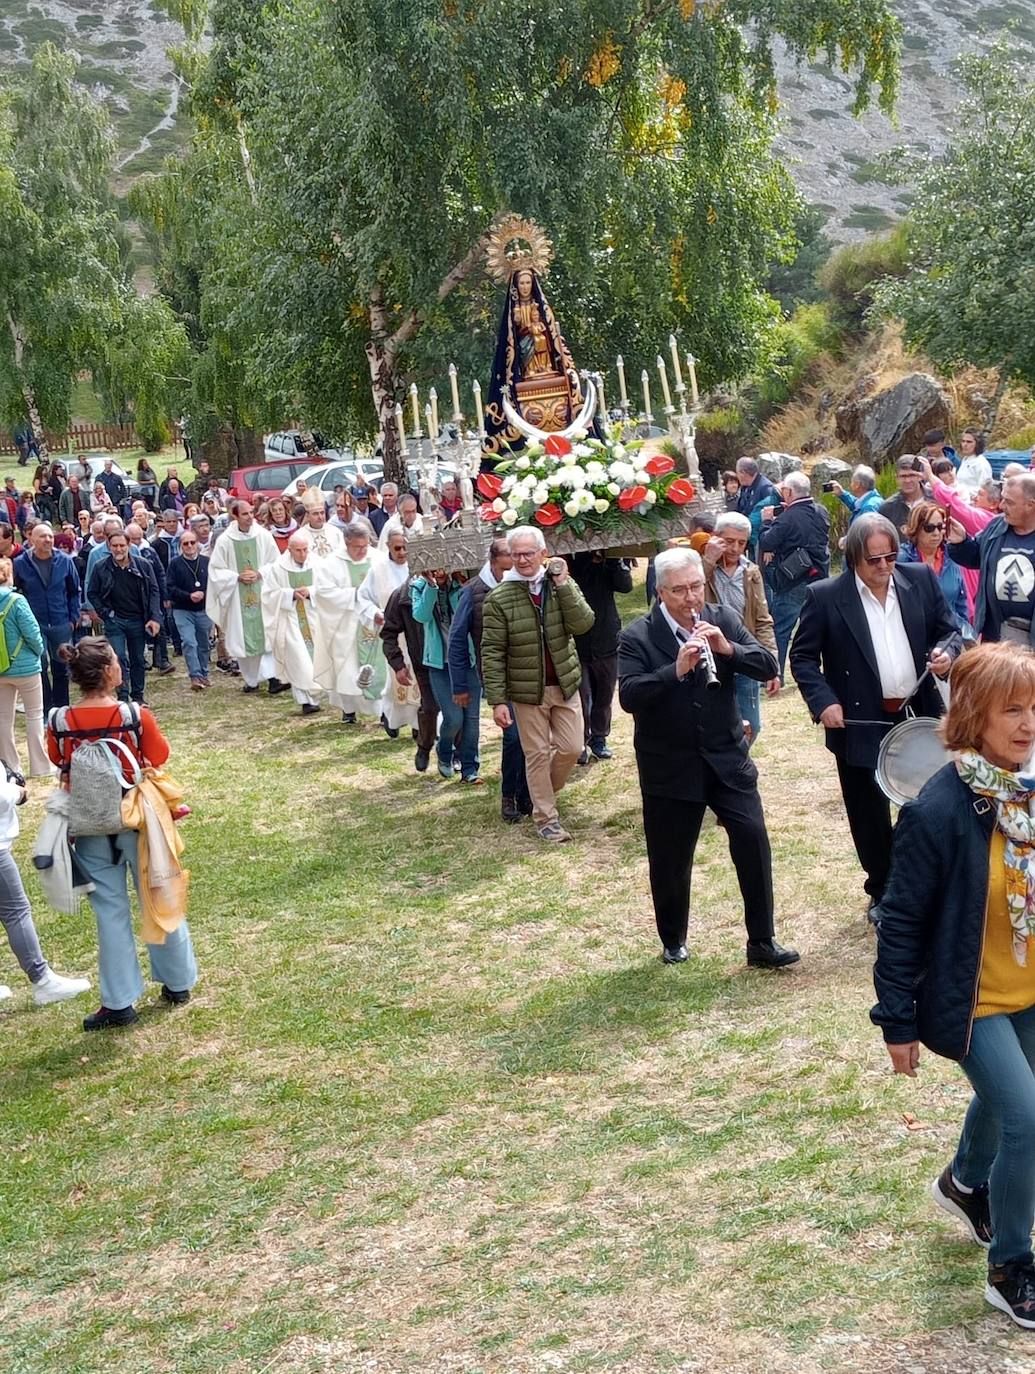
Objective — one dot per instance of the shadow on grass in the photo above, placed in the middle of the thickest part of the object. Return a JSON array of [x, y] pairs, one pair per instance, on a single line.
[[571, 1024]]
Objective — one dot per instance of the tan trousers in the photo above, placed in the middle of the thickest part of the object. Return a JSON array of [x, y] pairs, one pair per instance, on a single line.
[[551, 737], [30, 689]]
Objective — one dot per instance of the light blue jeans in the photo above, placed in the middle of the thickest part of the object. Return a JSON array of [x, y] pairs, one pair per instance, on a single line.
[[194, 628], [109, 860], [457, 720], [997, 1146], [748, 703]]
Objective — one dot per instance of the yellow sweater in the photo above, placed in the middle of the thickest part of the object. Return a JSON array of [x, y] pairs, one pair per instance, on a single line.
[[1004, 986]]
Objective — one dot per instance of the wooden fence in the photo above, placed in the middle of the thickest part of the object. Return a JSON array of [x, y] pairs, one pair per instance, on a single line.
[[80, 439]]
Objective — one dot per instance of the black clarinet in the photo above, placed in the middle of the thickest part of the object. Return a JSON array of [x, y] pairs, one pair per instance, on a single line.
[[707, 661]]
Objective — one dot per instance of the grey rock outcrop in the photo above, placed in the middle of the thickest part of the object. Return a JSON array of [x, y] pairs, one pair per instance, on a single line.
[[891, 422], [777, 465], [829, 470]]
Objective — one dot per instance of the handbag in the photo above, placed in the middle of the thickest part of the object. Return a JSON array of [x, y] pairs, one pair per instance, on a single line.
[[794, 567]]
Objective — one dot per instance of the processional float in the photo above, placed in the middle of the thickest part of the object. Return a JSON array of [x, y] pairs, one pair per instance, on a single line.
[[544, 449]]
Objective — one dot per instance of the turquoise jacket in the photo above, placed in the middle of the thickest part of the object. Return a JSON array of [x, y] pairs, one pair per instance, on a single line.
[[868, 504], [424, 603], [20, 624]]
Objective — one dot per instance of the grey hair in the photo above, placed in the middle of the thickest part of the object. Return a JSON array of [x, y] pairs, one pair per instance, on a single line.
[[196, 520], [115, 520], [992, 489], [864, 477], [861, 530], [1026, 482], [798, 483], [409, 496], [394, 486], [733, 520], [747, 465], [354, 530], [524, 532], [671, 560]]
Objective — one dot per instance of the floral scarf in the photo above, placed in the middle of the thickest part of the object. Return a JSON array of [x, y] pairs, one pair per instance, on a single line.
[[1013, 794]]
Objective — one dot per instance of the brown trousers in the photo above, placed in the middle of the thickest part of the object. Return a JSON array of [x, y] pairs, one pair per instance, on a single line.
[[551, 737]]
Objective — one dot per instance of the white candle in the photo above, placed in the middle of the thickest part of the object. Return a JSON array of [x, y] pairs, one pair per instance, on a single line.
[[476, 388], [454, 389], [646, 392], [674, 350], [416, 410], [401, 427], [427, 420], [691, 363], [598, 382], [664, 382], [621, 383], [433, 398]]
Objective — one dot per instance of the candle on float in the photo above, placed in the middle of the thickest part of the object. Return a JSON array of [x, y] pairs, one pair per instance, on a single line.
[[479, 414], [624, 395], [598, 382], [427, 421], [645, 380], [454, 389], [664, 382], [691, 363], [414, 401], [674, 350], [433, 398], [401, 427]]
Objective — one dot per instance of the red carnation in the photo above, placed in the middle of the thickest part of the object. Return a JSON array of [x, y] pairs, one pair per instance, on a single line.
[[659, 465], [681, 491], [557, 446], [632, 496], [490, 485], [549, 514]]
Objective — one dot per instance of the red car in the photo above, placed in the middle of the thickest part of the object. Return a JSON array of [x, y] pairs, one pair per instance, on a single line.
[[266, 480]]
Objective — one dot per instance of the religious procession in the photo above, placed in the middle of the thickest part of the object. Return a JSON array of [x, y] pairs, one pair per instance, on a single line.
[[543, 724]]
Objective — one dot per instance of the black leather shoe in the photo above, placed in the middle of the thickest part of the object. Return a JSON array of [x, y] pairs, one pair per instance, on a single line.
[[309, 708], [421, 759], [247, 689], [510, 811], [276, 686], [601, 751], [105, 1018], [583, 758], [175, 999], [348, 717], [770, 954], [392, 734], [525, 807], [676, 955]]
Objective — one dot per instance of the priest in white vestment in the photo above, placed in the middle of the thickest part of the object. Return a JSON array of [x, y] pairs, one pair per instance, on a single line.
[[348, 663], [388, 571], [234, 599], [323, 537], [293, 627]]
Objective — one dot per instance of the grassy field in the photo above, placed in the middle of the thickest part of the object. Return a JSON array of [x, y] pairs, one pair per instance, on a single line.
[[436, 1105]]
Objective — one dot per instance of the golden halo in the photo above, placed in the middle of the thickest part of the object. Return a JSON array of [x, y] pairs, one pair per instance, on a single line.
[[513, 244]]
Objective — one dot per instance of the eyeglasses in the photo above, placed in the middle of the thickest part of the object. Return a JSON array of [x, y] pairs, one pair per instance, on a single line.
[[931, 529], [188, 543], [520, 557], [877, 558], [684, 590]]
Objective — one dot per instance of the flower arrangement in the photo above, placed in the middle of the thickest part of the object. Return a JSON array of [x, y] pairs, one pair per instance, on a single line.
[[588, 485]]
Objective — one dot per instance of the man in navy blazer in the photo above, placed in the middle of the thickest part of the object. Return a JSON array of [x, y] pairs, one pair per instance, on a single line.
[[691, 754], [863, 642]]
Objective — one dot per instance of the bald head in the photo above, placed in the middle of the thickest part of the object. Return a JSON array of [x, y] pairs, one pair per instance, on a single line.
[[298, 548]]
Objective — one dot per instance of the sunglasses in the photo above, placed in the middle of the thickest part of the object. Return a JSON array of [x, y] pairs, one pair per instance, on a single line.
[[930, 529], [877, 558]]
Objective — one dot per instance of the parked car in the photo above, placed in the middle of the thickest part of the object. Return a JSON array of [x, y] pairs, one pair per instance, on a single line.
[[92, 464], [263, 480], [327, 476], [287, 443]]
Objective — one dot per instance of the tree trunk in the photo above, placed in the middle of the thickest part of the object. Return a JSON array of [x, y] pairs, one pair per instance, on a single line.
[[1000, 392], [383, 384], [246, 159], [29, 394]]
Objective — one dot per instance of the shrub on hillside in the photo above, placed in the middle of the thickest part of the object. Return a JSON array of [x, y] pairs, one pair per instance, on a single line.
[[800, 341], [850, 275], [1021, 438]]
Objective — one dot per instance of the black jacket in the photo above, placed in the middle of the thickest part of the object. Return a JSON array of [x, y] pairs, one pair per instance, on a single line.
[[599, 579], [983, 553], [157, 567], [399, 620], [832, 656], [684, 729], [180, 580], [801, 525], [101, 584], [932, 917]]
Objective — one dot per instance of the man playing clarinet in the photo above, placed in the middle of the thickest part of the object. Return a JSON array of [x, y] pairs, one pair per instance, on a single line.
[[676, 669]]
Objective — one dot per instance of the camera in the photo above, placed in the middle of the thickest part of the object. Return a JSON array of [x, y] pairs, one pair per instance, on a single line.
[[828, 486], [14, 776]]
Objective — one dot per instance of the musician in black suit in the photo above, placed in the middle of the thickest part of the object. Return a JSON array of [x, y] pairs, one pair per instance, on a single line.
[[863, 642], [691, 754]]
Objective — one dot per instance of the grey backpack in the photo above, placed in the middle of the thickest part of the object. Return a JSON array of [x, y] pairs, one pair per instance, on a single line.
[[96, 780]]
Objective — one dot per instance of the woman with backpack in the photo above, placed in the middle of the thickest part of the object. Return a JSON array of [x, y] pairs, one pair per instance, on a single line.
[[110, 859], [21, 647]]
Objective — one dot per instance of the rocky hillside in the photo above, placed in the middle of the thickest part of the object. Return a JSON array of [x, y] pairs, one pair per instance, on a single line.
[[123, 44]]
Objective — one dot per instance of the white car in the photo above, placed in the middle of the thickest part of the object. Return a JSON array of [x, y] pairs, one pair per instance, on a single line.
[[92, 464], [327, 476], [287, 443]]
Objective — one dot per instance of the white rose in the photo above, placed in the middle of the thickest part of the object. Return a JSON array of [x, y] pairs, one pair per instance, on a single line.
[[652, 496], [541, 493], [618, 451], [522, 464], [571, 508], [613, 488], [510, 517], [509, 482], [601, 505], [582, 451], [577, 434], [642, 477], [499, 504]]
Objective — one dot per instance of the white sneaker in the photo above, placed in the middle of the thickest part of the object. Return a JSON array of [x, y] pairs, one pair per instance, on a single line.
[[5, 992], [52, 987]]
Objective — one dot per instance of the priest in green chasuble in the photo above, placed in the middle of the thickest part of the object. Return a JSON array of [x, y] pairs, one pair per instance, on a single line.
[[349, 662], [292, 624], [236, 571]]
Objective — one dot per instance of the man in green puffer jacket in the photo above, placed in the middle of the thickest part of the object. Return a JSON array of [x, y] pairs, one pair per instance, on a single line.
[[530, 666]]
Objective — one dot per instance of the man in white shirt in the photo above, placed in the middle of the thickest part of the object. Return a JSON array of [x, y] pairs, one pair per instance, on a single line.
[[863, 643]]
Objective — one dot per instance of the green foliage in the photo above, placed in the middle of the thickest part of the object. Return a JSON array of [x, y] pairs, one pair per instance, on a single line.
[[1021, 438], [851, 276], [970, 293], [383, 138], [796, 282], [887, 480], [723, 420], [809, 334]]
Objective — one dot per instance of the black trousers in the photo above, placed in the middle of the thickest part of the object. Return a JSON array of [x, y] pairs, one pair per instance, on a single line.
[[597, 691], [671, 828], [869, 819]]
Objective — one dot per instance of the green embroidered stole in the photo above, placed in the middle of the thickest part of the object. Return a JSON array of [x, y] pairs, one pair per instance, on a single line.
[[246, 553], [368, 641], [303, 577]]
